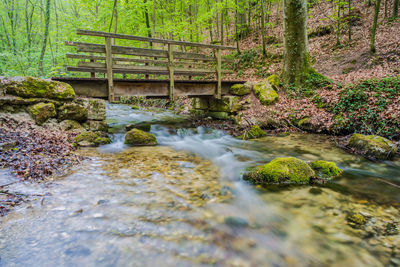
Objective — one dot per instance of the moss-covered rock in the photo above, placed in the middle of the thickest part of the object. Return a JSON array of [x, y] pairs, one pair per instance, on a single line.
[[97, 125], [218, 115], [356, 220], [72, 111], [91, 139], [265, 93], [70, 125], [225, 104], [373, 146], [141, 126], [240, 89], [41, 112], [135, 107], [325, 169], [96, 108], [35, 87], [274, 81], [138, 137], [281, 171], [254, 132]]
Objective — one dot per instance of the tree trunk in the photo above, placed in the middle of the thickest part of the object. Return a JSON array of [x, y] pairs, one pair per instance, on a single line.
[[395, 9], [46, 34], [263, 28], [296, 62], [374, 26]]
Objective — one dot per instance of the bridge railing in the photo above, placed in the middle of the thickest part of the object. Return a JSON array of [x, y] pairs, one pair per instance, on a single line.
[[173, 62]]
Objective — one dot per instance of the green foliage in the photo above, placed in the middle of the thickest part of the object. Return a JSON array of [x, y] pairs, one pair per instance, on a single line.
[[366, 117], [312, 81]]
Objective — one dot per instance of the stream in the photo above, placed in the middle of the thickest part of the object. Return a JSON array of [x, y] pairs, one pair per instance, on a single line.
[[183, 203]]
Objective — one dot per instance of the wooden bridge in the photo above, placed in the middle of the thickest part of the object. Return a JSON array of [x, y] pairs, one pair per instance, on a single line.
[[147, 61]]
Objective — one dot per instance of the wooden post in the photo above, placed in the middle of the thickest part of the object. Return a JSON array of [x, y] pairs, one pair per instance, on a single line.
[[171, 71], [219, 74], [93, 74], [110, 75]]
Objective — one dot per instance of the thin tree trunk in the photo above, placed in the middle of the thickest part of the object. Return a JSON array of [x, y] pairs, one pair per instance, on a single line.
[[395, 9], [46, 34], [349, 20], [263, 28], [374, 26], [222, 26]]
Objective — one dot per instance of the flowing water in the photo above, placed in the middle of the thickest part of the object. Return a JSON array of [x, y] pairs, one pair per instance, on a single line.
[[183, 203]]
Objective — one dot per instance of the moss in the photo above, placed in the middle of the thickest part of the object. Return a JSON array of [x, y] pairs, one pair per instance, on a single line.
[[35, 87], [254, 132], [356, 220], [226, 104], [325, 169], [138, 137], [41, 112], [91, 139], [281, 171], [135, 107], [240, 89], [373, 145], [265, 93], [143, 126], [72, 111], [274, 81]]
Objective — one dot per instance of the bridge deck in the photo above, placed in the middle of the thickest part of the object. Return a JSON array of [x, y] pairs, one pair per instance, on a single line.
[[98, 87]]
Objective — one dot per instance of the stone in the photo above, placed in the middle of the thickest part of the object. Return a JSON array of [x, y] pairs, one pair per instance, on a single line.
[[141, 126], [307, 125], [72, 111], [135, 107], [200, 103], [325, 169], [281, 171], [225, 104], [265, 93], [373, 146], [356, 220], [97, 125], [138, 137], [96, 108], [253, 133], [219, 115], [236, 221], [40, 88], [274, 81], [70, 125], [91, 139], [41, 112], [240, 89]]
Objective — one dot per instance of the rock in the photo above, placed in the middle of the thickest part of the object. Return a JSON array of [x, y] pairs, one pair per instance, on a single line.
[[141, 126], [35, 87], [19, 101], [240, 89], [225, 104], [356, 220], [200, 103], [281, 171], [96, 108], [72, 111], [97, 125], [274, 81], [325, 169], [254, 132], [41, 112], [138, 137], [219, 115], [91, 139], [265, 93], [236, 221], [70, 125], [373, 145], [134, 107]]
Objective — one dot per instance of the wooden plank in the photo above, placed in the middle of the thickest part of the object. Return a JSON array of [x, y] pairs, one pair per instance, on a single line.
[[171, 71], [126, 50], [153, 40], [219, 74], [109, 66]]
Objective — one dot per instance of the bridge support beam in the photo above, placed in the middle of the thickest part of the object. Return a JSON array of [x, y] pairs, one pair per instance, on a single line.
[[110, 74], [171, 72]]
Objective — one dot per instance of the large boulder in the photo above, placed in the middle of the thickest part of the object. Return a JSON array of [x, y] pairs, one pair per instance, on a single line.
[[91, 139], [274, 81], [373, 146], [240, 89], [265, 93], [225, 104], [281, 171], [141, 138], [72, 111], [96, 125], [326, 169], [41, 112], [35, 87], [96, 108]]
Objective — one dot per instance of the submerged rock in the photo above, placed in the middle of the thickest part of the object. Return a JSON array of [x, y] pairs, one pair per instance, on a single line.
[[72, 111], [265, 93], [135, 107], [41, 112], [240, 89], [281, 171], [254, 132], [138, 137], [325, 169], [141, 126], [356, 220], [373, 145], [35, 87], [90, 139], [236, 221]]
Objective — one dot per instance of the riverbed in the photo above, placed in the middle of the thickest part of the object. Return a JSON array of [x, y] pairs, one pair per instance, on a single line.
[[183, 203]]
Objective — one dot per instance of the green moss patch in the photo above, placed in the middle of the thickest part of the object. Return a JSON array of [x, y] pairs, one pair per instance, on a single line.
[[240, 89], [138, 137], [86, 139], [325, 169], [254, 132], [265, 93], [373, 145], [41, 112]]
